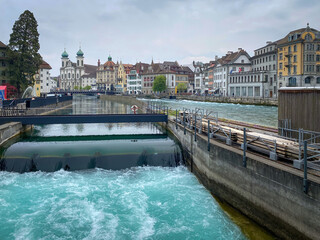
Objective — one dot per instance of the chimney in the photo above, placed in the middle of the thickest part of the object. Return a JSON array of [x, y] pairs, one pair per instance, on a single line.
[[239, 49], [98, 62], [216, 58], [229, 52], [268, 42]]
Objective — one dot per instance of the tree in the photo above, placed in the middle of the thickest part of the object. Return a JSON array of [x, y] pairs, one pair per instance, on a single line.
[[182, 87], [159, 84], [23, 51], [87, 87]]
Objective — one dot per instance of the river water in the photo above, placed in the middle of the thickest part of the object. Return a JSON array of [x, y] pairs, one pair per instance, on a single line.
[[261, 115], [109, 193]]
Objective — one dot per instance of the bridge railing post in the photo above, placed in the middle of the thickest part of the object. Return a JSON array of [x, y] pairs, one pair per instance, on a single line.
[[176, 119], [195, 126], [305, 168], [244, 147], [184, 123], [209, 135]]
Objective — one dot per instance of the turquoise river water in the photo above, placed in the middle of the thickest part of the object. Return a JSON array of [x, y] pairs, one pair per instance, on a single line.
[[109, 193], [262, 115]]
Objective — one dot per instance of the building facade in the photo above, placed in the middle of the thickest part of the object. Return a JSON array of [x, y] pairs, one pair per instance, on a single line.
[[171, 70], [43, 84], [134, 81], [4, 64], [265, 60], [71, 74], [199, 79], [107, 75], [299, 58], [258, 81], [231, 63]]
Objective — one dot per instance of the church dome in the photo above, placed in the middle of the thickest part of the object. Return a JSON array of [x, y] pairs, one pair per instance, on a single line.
[[64, 54], [80, 53]]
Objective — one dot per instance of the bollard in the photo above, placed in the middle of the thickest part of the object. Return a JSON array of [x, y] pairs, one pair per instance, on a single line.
[[305, 168], [209, 135]]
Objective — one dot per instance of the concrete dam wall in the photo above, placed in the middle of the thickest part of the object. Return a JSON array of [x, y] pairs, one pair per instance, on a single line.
[[268, 192]]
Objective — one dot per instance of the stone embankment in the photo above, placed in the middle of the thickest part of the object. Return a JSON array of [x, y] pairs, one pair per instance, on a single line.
[[268, 192], [235, 100]]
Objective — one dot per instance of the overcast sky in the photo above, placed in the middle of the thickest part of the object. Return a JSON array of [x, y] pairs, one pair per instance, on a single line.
[[139, 30]]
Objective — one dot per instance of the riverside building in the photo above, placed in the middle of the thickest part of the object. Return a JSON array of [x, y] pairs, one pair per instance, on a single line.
[[260, 80], [134, 80], [299, 58], [231, 63], [171, 70], [71, 74]]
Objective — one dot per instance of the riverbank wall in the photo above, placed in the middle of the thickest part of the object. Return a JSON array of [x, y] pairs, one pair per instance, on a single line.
[[267, 192], [234, 100], [128, 100]]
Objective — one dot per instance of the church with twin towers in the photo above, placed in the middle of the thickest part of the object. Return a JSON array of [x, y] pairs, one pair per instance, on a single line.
[[76, 75]]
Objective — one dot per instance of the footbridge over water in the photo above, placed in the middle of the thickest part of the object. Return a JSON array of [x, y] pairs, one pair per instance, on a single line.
[[84, 118]]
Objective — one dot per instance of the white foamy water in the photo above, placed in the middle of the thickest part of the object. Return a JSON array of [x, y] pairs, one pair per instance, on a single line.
[[136, 203]]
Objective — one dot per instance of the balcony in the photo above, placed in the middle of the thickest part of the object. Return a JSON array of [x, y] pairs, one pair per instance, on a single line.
[[287, 63], [287, 54]]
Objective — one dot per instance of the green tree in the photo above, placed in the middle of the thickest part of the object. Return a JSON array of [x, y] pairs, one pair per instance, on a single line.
[[182, 87], [87, 87], [159, 84], [23, 51]]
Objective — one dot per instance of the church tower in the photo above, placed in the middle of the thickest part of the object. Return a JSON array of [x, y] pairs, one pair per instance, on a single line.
[[64, 58]]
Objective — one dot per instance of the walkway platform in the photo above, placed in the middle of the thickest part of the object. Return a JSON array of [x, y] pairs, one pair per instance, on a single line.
[[85, 118]]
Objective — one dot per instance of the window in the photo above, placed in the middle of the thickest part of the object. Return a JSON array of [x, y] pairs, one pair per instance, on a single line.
[[274, 57], [289, 49], [295, 48], [280, 66], [294, 69], [318, 68], [307, 80], [318, 79], [308, 37], [274, 67], [318, 58], [242, 61], [257, 91], [295, 58], [292, 82], [3, 64], [280, 56]]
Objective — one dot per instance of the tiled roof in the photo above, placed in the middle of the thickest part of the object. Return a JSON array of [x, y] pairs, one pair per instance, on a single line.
[[90, 68], [90, 75], [231, 57], [298, 31], [2, 45], [109, 64], [45, 65]]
